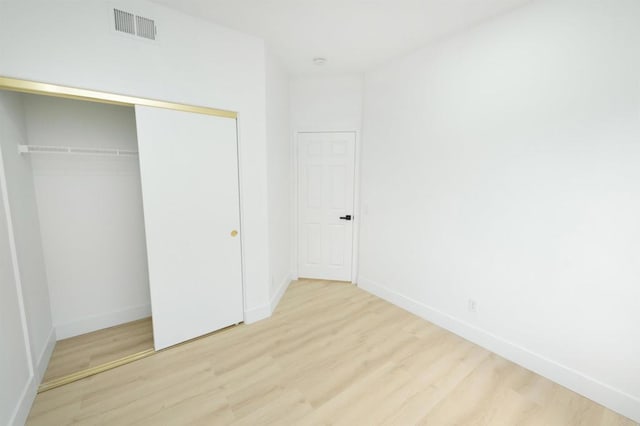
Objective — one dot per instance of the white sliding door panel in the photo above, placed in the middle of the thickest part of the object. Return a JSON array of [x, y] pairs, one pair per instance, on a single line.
[[326, 163], [189, 171]]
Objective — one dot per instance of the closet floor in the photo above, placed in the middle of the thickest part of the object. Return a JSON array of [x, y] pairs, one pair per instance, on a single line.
[[99, 347]]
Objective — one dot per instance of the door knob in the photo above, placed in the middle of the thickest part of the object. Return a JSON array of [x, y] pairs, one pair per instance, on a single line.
[[234, 233], [347, 217]]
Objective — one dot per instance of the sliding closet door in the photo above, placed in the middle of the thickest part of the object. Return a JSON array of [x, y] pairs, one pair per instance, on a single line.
[[189, 170]]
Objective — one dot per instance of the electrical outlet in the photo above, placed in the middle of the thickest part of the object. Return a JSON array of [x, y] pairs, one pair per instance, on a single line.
[[472, 306]]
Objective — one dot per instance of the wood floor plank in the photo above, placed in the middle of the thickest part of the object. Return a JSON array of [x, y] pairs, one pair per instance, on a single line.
[[99, 347], [330, 354]]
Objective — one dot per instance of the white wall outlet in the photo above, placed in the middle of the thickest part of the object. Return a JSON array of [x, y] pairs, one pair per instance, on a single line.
[[472, 306]]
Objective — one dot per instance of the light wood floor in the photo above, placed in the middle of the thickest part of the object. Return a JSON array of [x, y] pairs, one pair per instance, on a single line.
[[97, 348], [331, 354]]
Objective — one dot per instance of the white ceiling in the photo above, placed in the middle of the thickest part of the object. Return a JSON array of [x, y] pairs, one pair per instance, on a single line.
[[354, 35]]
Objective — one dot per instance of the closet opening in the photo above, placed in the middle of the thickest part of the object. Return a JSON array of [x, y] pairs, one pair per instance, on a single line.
[[119, 207], [84, 166]]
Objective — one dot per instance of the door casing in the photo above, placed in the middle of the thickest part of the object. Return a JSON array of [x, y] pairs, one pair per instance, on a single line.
[[68, 92], [356, 200]]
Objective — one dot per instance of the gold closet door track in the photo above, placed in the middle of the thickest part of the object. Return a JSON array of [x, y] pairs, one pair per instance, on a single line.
[[52, 384], [122, 361], [39, 88]]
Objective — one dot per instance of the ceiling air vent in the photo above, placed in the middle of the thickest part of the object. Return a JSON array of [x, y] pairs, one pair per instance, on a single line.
[[124, 21], [146, 27], [129, 23]]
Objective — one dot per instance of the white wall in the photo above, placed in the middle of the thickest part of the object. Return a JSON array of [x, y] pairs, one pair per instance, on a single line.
[[502, 166], [326, 103], [15, 374], [26, 229], [90, 211], [279, 176], [21, 285], [192, 62]]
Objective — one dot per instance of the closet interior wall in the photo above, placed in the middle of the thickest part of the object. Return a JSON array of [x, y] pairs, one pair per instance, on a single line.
[[26, 330], [90, 213]]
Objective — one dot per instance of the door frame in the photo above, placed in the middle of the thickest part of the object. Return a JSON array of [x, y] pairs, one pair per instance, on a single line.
[[69, 92], [356, 200]]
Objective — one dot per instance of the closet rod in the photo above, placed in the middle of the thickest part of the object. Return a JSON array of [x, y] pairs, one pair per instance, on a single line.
[[46, 149]]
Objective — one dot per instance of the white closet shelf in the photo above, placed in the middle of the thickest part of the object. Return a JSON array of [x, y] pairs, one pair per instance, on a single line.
[[47, 149]]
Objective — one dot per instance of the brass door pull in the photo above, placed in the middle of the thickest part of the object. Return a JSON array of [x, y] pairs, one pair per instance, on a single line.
[[234, 233]]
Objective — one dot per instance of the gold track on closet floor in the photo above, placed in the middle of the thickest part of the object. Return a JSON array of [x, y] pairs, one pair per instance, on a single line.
[[52, 384], [82, 356], [91, 371]]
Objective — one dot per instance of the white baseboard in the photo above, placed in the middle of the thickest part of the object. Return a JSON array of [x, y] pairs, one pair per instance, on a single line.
[[610, 397], [275, 299], [257, 314], [28, 395], [19, 416], [30, 390], [45, 356], [265, 311], [98, 322]]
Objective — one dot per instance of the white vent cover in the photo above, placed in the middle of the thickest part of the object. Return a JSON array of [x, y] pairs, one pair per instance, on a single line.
[[124, 21], [145, 27], [129, 23]]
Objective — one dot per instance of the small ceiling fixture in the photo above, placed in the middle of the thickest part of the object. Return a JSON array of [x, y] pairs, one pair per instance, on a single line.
[[319, 60]]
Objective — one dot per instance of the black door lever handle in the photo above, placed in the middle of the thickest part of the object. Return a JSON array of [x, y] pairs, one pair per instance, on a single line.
[[347, 217]]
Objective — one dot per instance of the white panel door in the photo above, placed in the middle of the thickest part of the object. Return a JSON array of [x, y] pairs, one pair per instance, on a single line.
[[326, 163], [189, 171]]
